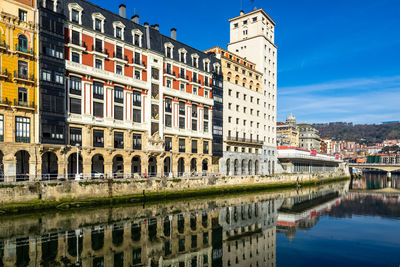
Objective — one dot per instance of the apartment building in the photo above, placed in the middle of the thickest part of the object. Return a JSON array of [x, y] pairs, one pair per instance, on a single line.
[[309, 137], [243, 120], [287, 134], [18, 91], [252, 38], [138, 102]]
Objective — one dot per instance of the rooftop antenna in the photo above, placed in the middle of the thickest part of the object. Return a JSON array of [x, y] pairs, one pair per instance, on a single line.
[[134, 11]]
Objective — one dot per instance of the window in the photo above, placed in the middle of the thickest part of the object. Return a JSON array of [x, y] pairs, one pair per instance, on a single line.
[[205, 147], [236, 25], [75, 15], [59, 78], [137, 74], [118, 32], [137, 58], [118, 52], [154, 73], [137, 141], [254, 19], [137, 115], [118, 140], [1, 128], [75, 57], [182, 108], [119, 112], [194, 146], [76, 39], [182, 145], [98, 138], [75, 136], [97, 25], [206, 94], [137, 39], [22, 129], [195, 90], [22, 69], [98, 90], [46, 75], [181, 122], [244, 22], [168, 120], [75, 85], [98, 45], [194, 124], [137, 99], [168, 83], [118, 94], [245, 32], [98, 110], [168, 105], [22, 96], [22, 44], [22, 15], [168, 143], [183, 87], [75, 106], [194, 111]]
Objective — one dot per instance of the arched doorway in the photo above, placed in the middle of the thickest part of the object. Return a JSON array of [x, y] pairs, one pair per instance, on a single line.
[[193, 166], [136, 165], [152, 166], [167, 166], [1, 167], [256, 167], [250, 167], [204, 166], [22, 168], [72, 165], [118, 166], [243, 167], [235, 167], [181, 166], [228, 166], [49, 166], [97, 166]]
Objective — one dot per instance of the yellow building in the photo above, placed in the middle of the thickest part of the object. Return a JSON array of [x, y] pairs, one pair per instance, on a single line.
[[18, 88], [287, 134]]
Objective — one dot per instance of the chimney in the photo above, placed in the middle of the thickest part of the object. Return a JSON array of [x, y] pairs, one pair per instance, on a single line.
[[155, 27], [146, 24], [135, 19], [241, 12], [173, 33], [122, 10]]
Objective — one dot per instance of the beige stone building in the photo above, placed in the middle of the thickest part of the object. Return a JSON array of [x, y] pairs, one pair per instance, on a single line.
[[287, 134], [309, 137]]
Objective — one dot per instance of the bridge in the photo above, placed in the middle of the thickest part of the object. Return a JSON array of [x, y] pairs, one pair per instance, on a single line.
[[378, 166]]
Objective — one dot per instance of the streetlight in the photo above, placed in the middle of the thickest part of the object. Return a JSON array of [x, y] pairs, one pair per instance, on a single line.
[[77, 176]]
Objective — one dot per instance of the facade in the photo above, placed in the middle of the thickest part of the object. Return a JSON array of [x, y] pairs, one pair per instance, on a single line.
[[287, 134], [18, 91], [309, 138], [133, 101], [252, 37], [243, 133]]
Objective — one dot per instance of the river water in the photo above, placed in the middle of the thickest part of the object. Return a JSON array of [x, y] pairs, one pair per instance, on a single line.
[[322, 226]]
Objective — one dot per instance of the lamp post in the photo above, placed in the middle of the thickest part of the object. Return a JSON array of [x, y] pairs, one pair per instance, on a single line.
[[77, 176]]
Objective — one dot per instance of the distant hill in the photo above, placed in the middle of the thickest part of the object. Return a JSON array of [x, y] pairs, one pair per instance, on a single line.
[[360, 133]]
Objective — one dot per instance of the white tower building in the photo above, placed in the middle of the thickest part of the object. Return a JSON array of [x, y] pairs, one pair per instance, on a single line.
[[252, 37]]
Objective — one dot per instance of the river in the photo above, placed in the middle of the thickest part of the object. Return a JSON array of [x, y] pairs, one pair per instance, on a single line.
[[321, 226]]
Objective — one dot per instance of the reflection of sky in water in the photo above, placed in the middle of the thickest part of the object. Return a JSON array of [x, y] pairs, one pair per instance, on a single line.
[[355, 241]]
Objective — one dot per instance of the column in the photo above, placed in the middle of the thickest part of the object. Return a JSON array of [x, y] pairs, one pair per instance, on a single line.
[[10, 168]]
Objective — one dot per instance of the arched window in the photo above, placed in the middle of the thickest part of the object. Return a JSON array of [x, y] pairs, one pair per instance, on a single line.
[[23, 43]]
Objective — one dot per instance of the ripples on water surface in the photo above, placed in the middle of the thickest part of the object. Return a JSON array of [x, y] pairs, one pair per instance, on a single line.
[[325, 226]]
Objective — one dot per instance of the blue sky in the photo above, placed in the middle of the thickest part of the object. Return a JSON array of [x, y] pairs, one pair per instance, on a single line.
[[337, 60]]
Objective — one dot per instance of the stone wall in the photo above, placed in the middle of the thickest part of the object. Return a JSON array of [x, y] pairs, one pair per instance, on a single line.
[[73, 190]]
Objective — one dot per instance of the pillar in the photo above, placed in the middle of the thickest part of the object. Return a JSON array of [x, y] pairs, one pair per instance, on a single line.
[[128, 169], [108, 167], [86, 166], [10, 169]]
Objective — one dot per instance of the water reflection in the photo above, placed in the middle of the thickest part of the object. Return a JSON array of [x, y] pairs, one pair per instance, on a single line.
[[228, 231]]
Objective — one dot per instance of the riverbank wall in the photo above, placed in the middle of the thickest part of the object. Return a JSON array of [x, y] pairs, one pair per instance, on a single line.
[[23, 197]]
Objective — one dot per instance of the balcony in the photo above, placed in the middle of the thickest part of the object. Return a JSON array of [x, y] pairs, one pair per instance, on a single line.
[[76, 43], [244, 140], [24, 51], [195, 81], [120, 58], [207, 84], [24, 78], [182, 76], [5, 74], [100, 51], [136, 63], [23, 104], [3, 46], [169, 73]]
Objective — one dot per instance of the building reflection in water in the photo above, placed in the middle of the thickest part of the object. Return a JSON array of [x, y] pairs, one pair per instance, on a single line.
[[377, 180], [224, 232]]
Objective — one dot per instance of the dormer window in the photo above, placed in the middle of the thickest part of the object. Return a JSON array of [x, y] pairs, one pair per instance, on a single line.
[[217, 68], [97, 25], [137, 37], [75, 13], [169, 50], [182, 55], [195, 60], [98, 22], [119, 30], [206, 64]]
